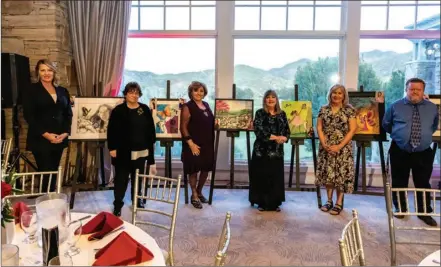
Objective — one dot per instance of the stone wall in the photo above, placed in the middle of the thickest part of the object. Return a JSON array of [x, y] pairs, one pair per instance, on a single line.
[[424, 69], [38, 30]]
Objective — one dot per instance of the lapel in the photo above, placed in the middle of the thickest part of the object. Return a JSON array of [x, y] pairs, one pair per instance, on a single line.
[[48, 96]]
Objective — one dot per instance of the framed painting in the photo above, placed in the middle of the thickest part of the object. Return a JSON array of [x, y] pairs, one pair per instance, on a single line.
[[299, 115], [436, 99], [91, 117], [233, 114], [166, 117], [369, 113]]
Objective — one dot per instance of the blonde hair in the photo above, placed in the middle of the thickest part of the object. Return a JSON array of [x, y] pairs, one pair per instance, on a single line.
[[343, 89], [51, 65], [277, 108]]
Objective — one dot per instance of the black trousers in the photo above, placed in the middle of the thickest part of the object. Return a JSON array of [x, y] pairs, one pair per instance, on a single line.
[[48, 160], [121, 181], [421, 164]]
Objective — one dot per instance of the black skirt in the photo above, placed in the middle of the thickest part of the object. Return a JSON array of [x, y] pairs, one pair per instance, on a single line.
[[267, 182]]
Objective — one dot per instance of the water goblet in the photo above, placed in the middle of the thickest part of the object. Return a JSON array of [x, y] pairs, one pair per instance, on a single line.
[[74, 230], [28, 222]]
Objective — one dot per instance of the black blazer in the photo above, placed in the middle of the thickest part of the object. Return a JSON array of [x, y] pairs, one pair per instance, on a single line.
[[44, 115], [118, 134]]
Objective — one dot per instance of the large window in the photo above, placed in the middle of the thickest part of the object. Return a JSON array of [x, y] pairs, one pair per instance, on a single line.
[[385, 65], [398, 15], [287, 15], [173, 15], [312, 64], [153, 61]]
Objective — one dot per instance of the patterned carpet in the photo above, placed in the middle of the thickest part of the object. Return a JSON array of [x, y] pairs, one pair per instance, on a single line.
[[300, 235]]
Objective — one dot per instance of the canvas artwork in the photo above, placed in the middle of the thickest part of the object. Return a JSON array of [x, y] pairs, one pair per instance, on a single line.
[[299, 115], [436, 99], [167, 117], [91, 117], [233, 114], [369, 114]]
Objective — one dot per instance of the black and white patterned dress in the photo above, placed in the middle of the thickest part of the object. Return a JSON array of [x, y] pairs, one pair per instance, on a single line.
[[337, 170]]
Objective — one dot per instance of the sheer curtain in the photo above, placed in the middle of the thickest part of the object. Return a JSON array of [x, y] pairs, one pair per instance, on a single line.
[[99, 36]]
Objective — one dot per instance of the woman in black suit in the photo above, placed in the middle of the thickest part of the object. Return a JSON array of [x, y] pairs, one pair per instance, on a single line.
[[131, 137], [47, 110]]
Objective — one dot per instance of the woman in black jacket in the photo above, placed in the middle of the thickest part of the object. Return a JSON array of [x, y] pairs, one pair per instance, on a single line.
[[47, 110], [131, 137]]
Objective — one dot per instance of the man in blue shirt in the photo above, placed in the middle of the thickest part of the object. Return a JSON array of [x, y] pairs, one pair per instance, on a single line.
[[411, 122]]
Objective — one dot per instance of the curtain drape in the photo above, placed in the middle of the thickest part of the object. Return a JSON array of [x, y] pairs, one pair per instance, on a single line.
[[99, 36]]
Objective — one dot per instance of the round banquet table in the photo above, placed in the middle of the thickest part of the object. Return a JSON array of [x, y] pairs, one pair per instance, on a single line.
[[31, 254], [428, 261]]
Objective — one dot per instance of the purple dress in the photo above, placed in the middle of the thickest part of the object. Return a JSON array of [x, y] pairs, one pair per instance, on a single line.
[[198, 125]]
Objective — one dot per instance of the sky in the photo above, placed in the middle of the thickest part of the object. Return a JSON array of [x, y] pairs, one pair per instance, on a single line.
[[160, 55]]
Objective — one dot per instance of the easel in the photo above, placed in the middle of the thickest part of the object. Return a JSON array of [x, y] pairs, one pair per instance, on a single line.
[[296, 142], [437, 145], [232, 134], [363, 142], [80, 174]]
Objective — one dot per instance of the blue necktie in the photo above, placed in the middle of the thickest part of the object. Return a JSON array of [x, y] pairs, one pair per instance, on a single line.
[[415, 133]]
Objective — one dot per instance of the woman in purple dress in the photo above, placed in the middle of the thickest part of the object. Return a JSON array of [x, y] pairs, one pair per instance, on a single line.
[[197, 128]]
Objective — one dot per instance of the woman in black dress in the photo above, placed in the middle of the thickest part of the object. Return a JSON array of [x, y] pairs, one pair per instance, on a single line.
[[267, 181], [47, 110], [197, 128]]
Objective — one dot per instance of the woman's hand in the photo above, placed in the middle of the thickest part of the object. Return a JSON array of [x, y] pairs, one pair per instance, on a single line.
[[195, 149], [50, 137], [112, 153], [335, 148], [60, 138]]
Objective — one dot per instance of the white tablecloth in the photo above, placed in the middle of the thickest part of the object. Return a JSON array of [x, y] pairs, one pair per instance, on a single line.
[[87, 255], [428, 261]]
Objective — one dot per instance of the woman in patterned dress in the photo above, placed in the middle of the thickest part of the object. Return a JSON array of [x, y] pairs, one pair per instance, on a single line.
[[267, 179], [335, 126]]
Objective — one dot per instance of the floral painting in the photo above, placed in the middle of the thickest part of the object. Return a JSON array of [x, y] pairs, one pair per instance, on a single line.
[[166, 116], [299, 115], [436, 99], [91, 117], [233, 114]]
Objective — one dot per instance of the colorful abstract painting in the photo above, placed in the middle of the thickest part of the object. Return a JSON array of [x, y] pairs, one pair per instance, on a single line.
[[233, 114], [166, 116], [436, 99], [366, 115], [299, 115], [91, 117]]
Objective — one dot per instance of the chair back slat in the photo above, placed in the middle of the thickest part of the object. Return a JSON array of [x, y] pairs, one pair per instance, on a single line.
[[224, 242], [6, 146], [157, 184], [351, 243]]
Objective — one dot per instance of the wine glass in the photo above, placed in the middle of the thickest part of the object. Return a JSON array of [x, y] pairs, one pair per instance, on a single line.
[[74, 230], [62, 260], [28, 222]]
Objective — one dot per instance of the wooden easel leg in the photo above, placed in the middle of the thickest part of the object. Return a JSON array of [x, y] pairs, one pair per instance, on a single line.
[[232, 163], [363, 167], [76, 175], [186, 186], [297, 166], [314, 160], [103, 173], [213, 172], [383, 165], [291, 165], [357, 168]]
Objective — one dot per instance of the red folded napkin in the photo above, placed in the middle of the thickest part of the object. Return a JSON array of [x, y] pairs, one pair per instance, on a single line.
[[122, 251], [19, 208], [102, 224]]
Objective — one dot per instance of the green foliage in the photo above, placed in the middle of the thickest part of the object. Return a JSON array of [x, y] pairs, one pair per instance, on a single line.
[[368, 78], [244, 93], [394, 87]]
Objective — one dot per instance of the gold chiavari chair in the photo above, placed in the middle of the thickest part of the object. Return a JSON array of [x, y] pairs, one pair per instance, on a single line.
[[36, 180], [406, 211], [160, 190], [5, 152], [224, 242], [351, 243]]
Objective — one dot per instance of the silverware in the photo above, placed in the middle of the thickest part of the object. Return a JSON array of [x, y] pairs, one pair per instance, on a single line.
[[111, 232], [436, 261], [80, 219]]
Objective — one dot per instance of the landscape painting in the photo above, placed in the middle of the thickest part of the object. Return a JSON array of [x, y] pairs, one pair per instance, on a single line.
[[436, 99], [233, 114], [368, 114], [166, 117], [299, 115], [91, 117]]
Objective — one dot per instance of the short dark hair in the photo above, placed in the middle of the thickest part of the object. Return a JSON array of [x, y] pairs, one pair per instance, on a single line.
[[195, 85], [416, 80], [132, 87]]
